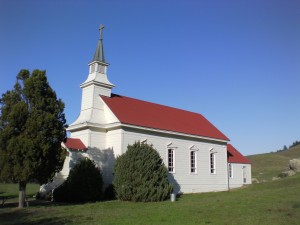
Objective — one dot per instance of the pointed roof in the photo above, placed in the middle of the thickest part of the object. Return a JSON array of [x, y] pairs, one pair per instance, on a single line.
[[150, 115], [99, 53], [234, 156]]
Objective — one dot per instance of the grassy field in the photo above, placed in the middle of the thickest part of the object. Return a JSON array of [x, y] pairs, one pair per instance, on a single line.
[[266, 166], [273, 203], [10, 191]]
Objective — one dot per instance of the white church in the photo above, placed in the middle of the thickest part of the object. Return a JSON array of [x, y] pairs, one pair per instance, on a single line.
[[197, 155]]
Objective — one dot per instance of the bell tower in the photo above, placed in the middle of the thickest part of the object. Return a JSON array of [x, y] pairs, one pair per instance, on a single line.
[[97, 70], [96, 84]]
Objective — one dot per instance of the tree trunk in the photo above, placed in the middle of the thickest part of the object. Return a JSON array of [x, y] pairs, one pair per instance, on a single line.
[[22, 194]]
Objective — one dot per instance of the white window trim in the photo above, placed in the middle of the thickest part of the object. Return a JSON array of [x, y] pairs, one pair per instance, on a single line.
[[195, 158], [174, 157], [214, 168], [194, 148], [144, 141], [170, 145]]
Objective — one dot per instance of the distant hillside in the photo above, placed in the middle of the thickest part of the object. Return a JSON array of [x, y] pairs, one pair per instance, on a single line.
[[266, 166]]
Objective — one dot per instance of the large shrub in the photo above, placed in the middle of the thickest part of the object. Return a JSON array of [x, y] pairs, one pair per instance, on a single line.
[[140, 175], [84, 184]]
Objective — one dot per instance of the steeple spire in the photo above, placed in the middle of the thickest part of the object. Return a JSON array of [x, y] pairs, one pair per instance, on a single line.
[[99, 53], [96, 85], [97, 77]]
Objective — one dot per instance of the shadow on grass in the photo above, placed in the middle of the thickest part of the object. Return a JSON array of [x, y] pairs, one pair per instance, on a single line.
[[296, 205], [24, 217], [34, 202], [44, 203], [11, 214], [8, 197]]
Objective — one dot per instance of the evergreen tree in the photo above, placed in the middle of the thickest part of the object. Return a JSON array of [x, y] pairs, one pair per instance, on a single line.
[[32, 127], [84, 184], [140, 175], [294, 144]]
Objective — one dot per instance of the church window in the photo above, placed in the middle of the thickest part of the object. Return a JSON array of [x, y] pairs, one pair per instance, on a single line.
[[212, 163], [171, 160], [230, 170], [193, 161]]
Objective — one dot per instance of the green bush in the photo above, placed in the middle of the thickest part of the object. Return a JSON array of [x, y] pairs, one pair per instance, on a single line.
[[140, 175], [109, 193], [84, 184]]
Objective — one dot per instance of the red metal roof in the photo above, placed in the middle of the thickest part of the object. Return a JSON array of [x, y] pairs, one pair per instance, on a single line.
[[235, 156], [146, 114], [75, 144]]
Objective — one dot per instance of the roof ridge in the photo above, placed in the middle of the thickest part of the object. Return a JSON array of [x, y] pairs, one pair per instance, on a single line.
[[158, 104], [143, 113]]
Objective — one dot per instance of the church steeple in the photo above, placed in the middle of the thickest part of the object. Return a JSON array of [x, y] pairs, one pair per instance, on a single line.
[[99, 53], [98, 64], [97, 70], [92, 115]]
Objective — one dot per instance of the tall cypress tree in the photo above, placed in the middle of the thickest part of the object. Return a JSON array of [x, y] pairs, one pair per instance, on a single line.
[[32, 127]]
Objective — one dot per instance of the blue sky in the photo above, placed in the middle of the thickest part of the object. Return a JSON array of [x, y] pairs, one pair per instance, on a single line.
[[235, 62]]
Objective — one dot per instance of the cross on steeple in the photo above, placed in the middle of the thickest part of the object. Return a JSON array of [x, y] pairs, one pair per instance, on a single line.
[[99, 53], [101, 30]]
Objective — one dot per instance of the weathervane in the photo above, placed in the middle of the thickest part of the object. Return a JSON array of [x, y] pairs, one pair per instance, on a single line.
[[101, 30]]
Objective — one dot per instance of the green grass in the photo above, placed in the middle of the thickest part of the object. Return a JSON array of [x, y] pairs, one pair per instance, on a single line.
[[11, 191], [273, 203], [266, 166]]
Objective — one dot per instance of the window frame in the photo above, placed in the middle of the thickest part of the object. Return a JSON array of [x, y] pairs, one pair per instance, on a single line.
[[171, 164], [193, 157], [212, 163]]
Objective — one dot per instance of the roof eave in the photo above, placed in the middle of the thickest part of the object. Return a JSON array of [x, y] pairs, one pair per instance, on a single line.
[[117, 125], [240, 162], [173, 133]]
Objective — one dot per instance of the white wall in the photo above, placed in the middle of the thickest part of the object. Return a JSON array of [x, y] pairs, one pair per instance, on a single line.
[[109, 116], [87, 98], [114, 140], [239, 172], [92, 106], [97, 139], [184, 181], [105, 146]]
